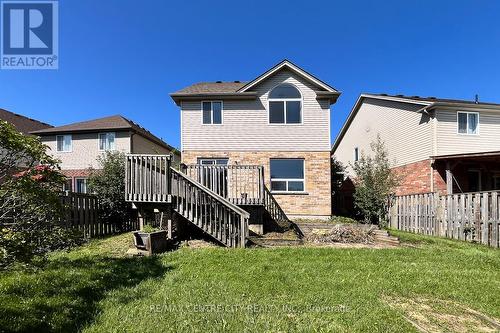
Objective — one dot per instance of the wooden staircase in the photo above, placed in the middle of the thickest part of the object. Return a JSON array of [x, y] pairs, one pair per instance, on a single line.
[[224, 221], [206, 196]]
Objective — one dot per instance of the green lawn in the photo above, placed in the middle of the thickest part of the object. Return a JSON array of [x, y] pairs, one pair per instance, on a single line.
[[96, 289]]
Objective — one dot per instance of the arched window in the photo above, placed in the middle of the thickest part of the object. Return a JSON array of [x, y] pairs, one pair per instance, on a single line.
[[285, 105]]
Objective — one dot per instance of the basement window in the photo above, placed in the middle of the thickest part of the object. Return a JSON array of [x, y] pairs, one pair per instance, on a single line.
[[468, 122], [287, 175]]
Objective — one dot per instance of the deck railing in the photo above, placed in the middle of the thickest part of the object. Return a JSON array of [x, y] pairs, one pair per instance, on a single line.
[[239, 184], [273, 207], [209, 211], [147, 178]]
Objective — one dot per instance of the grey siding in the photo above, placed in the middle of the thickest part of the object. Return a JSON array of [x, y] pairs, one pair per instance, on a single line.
[[450, 142], [245, 123], [408, 135]]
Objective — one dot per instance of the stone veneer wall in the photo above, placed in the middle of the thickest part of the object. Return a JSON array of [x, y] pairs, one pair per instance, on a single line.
[[317, 201]]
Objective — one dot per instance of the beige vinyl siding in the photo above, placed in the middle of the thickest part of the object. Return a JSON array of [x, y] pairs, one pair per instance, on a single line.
[[141, 145], [246, 127], [450, 142], [408, 135], [85, 149]]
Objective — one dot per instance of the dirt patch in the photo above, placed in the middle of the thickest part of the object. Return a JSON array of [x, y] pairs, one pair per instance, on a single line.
[[197, 244], [434, 315]]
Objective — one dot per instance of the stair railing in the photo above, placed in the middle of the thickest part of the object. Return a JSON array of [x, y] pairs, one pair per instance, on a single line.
[[212, 213]]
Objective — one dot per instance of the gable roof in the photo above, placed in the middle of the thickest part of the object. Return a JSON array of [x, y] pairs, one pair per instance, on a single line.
[[427, 103], [241, 90], [114, 123], [23, 124], [294, 68]]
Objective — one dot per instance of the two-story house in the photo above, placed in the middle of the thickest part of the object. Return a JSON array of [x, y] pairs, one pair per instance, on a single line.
[[434, 144], [78, 145], [280, 120]]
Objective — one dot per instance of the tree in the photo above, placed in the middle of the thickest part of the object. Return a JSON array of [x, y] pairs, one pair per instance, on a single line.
[[108, 184], [374, 183], [30, 208]]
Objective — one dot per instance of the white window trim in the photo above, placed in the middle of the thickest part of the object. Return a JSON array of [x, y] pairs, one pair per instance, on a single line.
[[212, 112], [70, 146], [75, 187], [99, 141], [289, 179], [467, 125], [269, 100], [200, 160]]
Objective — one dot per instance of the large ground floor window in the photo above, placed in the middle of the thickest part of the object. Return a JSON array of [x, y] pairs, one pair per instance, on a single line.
[[287, 175]]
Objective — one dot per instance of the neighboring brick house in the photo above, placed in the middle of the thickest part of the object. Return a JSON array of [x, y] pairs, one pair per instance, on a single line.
[[23, 124], [78, 145], [279, 120], [436, 145]]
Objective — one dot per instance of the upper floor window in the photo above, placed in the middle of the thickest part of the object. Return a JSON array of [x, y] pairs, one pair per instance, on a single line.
[[212, 112], [468, 122], [107, 141], [285, 105], [64, 143], [356, 154], [287, 175]]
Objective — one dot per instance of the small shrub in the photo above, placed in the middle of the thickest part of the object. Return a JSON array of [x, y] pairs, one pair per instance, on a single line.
[[108, 184], [342, 220], [148, 228], [374, 183]]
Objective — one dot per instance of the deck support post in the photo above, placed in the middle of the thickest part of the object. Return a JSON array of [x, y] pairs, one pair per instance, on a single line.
[[140, 216], [449, 179]]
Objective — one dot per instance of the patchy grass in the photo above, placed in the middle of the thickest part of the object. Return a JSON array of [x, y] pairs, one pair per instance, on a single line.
[[96, 289]]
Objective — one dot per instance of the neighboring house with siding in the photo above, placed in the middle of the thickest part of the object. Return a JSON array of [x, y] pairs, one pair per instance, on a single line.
[[79, 145], [436, 145], [279, 120]]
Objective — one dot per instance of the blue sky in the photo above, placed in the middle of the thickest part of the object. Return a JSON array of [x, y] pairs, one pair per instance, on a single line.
[[125, 57]]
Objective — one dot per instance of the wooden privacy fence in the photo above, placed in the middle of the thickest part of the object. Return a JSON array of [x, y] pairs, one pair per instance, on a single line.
[[81, 212], [473, 217]]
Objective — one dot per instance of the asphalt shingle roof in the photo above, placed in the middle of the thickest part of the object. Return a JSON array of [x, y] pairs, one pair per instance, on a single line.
[[435, 99], [212, 88], [116, 122], [23, 124]]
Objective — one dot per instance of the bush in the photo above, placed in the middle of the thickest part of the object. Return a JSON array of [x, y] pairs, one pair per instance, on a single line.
[[30, 208], [108, 184], [342, 220], [374, 183]]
